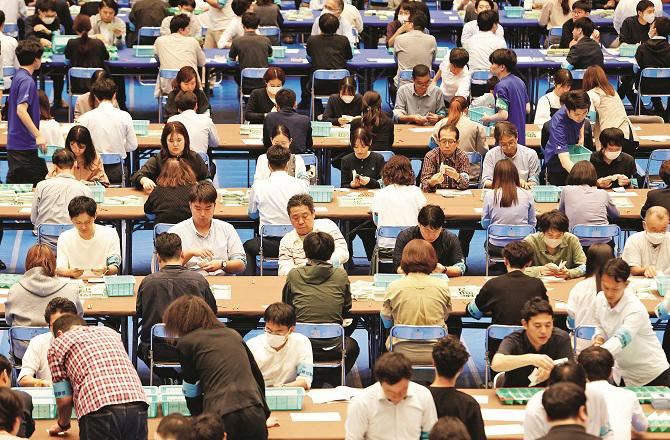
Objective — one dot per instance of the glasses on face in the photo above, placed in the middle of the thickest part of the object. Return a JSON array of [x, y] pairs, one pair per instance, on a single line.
[[509, 144], [448, 142]]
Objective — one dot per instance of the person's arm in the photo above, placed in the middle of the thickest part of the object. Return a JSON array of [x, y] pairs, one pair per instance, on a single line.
[[341, 253], [626, 33], [251, 110], [113, 261], [545, 14], [502, 106], [356, 423], [487, 171], [639, 422], [612, 210], [400, 115], [486, 211], [150, 170], [480, 306], [455, 261], [131, 138], [348, 53], [632, 255], [213, 141], [286, 261], [62, 387], [579, 259], [508, 362], [200, 54], [464, 85], [543, 111], [330, 114], [191, 380], [533, 169], [400, 243], [287, 292], [280, 18], [346, 175], [234, 53], [463, 168], [429, 172], [386, 313], [633, 322], [26, 120], [30, 365]]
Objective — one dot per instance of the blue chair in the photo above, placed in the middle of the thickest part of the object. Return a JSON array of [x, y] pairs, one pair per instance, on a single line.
[[11, 29], [404, 76], [77, 73], [584, 333], [325, 331], [653, 77], [204, 157], [658, 155], [387, 155], [158, 331], [8, 71], [555, 32], [272, 32], [516, 232], [113, 159], [250, 73], [391, 232], [159, 228], [324, 75], [475, 158], [51, 230], [497, 332], [613, 232], [275, 231], [311, 164], [19, 337], [417, 333], [577, 78], [148, 32], [164, 74]]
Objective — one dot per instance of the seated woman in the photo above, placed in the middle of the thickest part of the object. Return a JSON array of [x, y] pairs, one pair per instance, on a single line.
[[174, 144], [614, 168], [187, 80], [87, 102], [343, 106], [374, 119], [88, 165], [551, 102], [262, 100], [507, 204], [296, 166], [417, 299], [169, 199], [84, 51]]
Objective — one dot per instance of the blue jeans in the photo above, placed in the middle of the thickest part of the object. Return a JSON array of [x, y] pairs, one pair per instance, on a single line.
[[125, 421]]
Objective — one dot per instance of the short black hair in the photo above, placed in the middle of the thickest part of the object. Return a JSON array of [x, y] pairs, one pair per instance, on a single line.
[[174, 425], [250, 20], [2, 17], [486, 20], [178, 22], [239, 7], [431, 216], [662, 25], [419, 20], [82, 205], [616, 268], [207, 426], [392, 367], [490, 2], [5, 365], [459, 57], [504, 57], [66, 322], [449, 428], [563, 401], [519, 253], [576, 99], [63, 159], [285, 98], [643, 4], [280, 313], [449, 356], [104, 89], [611, 136], [535, 306], [203, 192], [582, 5], [278, 157], [185, 101], [504, 128], [168, 245], [59, 305], [553, 219], [45, 5], [449, 127], [11, 407], [319, 246], [569, 371], [420, 70], [300, 200], [28, 51], [110, 4], [328, 23], [586, 25], [597, 362]]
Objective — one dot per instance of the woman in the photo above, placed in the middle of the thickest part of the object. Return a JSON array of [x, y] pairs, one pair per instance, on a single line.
[[555, 13], [174, 144], [507, 204], [49, 127], [84, 52], [417, 299], [169, 199], [549, 104], [614, 168], [87, 102], [11, 414], [187, 80], [296, 166], [607, 104], [220, 373], [269, 14], [107, 27], [375, 120], [28, 298], [584, 203], [262, 100], [343, 107], [88, 166]]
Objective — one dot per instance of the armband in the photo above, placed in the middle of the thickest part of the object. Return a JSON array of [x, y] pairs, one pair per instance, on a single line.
[[424, 435], [570, 320], [624, 337], [465, 176], [502, 104], [191, 390], [62, 389], [388, 322], [661, 312], [335, 261], [474, 311], [114, 260], [305, 370]]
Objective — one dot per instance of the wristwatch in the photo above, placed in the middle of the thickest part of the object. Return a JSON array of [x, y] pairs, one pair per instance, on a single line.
[[223, 265], [64, 428]]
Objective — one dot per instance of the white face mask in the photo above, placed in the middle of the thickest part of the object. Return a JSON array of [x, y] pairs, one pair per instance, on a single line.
[[649, 18], [403, 18], [273, 90], [275, 341], [347, 98], [655, 238], [552, 242], [611, 155], [186, 13], [48, 20]]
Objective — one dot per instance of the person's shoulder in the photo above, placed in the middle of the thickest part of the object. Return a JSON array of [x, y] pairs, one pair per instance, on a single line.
[[223, 225], [560, 335], [300, 341], [105, 232], [257, 343], [420, 391], [324, 225], [181, 226]]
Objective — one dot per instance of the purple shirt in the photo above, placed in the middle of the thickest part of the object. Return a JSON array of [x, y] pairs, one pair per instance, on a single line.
[[23, 89], [511, 95], [563, 132]]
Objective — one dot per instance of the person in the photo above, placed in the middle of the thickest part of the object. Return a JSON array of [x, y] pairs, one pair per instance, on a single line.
[[286, 115], [400, 23], [88, 248], [220, 17], [319, 283], [566, 128], [263, 99], [627, 8], [174, 427], [145, 13], [87, 101], [525, 159], [586, 51], [84, 51], [23, 116], [470, 28], [482, 93], [342, 107], [362, 168], [15, 11], [580, 9], [107, 26], [49, 127], [187, 80], [235, 28], [34, 364], [449, 359], [208, 426], [168, 201], [300, 209], [111, 128], [533, 350], [52, 196], [158, 290], [454, 72], [554, 13], [636, 29], [283, 356], [655, 52], [482, 44], [250, 50], [8, 45], [376, 120], [419, 103], [175, 143], [267, 202], [627, 413], [296, 165], [623, 329], [414, 47], [446, 166], [209, 244], [614, 168], [549, 104], [659, 197], [565, 406], [184, 7], [15, 407], [344, 27], [585, 204], [508, 204], [107, 394], [393, 407], [87, 166], [270, 15], [648, 252], [449, 428]]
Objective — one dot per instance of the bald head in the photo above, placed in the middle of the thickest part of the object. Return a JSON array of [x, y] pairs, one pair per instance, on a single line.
[[656, 219], [657, 212]]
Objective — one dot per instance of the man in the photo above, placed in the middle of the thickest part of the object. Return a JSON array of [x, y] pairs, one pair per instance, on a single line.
[[580, 9], [52, 196], [34, 364], [626, 413], [185, 7], [525, 159], [414, 47], [250, 49], [8, 45], [146, 13], [220, 17], [301, 213], [586, 51], [482, 44], [14, 10], [655, 52], [446, 166], [470, 27], [648, 252], [88, 249], [449, 358], [158, 290], [421, 102], [210, 245], [394, 408], [636, 29], [27, 427], [533, 350], [299, 125], [283, 356], [235, 28], [565, 404], [201, 130], [659, 197], [92, 364], [336, 7], [627, 8]]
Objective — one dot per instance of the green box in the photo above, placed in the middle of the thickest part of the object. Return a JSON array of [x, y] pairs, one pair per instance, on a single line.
[[173, 400], [284, 399]]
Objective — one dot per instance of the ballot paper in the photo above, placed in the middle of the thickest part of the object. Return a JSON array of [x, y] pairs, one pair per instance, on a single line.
[[320, 209], [421, 129], [620, 192], [316, 417], [656, 138], [495, 430], [551, 279], [560, 305], [452, 192], [621, 202], [327, 395], [381, 60], [482, 400], [252, 141], [532, 377], [222, 291], [503, 415], [294, 51]]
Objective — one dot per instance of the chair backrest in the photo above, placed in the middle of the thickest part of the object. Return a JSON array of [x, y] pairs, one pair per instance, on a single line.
[[269, 31], [510, 231], [583, 332], [158, 331], [660, 154], [578, 74], [149, 31], [405, 75], [320, 331], [111, 158], [480, 75], [499, 332], [168, 73], [11, 29], [8, 71], [389, 231], [329, 75], [556, 32], [253, 72], [51, 230], [416, 333], [82, 72], [19, 338], [596, 231], [309, 159], [474, 157], [387, 155], [159, 228], [277, 231]]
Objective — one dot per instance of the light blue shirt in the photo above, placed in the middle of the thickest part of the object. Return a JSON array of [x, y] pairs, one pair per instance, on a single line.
[[526, 161], [523, 213]]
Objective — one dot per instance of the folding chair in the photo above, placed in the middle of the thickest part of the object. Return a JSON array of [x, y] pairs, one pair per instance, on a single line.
[[204, 157], [7, 73], [159, 228], [77, 73], [158, 331], [19, 337], [51, 230], [577, 78], [391, 232], [517, 232], [249, 73], [497, 332], [499, 380], [387, 155], [113, 159], [659, 155], [311, 165], [272, 32], [164, 74], [275, 231], [324, 75], [404, 76], [587, 232], [325, 331], [148, 32], [425, 333], [11, 29], [653, 83], [555, 32], [475, 158], [584, 333]]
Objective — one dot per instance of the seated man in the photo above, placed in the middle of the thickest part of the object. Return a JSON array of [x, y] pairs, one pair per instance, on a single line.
[[267, 203], [580, 9], [283, 356], [658, 197], [648, 252], [446, 166], [27, 427], [565, 405], [394, 407], [481, 45], [301, 213], [420, 102], [336, 7], [298, 125], [533, 349], [210, 245], [525, 159], [448, 249], [586, 51], [88, 249]]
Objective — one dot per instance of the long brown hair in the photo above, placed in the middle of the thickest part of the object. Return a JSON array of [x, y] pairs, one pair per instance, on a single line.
[[45, 106], [176, 172], [505, 179], [456, 108], [185, 74], [41, 255], [372, 109], [595, 76], [188, 313], [82, 24]]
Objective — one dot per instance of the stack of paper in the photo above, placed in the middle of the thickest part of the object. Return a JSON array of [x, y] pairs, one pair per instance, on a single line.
[[24, 199], [234, 197], [92, 290], [622, 202], [326, 395], [362, 290], [222, 291], [463, 292], [124, 201], [7, 280], [7, 197]]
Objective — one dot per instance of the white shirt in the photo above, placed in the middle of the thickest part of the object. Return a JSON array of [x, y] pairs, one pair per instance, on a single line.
[[269, 197], [201, 130], [219, 18], [222, 239], [263, 168], [623, 408], [639, 252], [52, 197], [480, 46], [630, 338], [397, 205], [292, 254], [281, 367], [73, 252], [454, 85], [34, 362], [111, 129], [353, 16], [51, 131], [544, 106], [343, 29], [371, 416], [627, 8], [535, 423], [471, 28], [581, 303], [234, 29], [13, 9], [8, 57]]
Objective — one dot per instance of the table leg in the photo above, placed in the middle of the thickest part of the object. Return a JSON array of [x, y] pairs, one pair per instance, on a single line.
[[132, 331], [127, 245]]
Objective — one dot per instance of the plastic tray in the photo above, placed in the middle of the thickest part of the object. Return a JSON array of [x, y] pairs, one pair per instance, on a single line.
[[17, 187], [141, 127], [579, 153], [662, 284], [58, 43], [284, 399], [513, 11], [120, 285], [144, 51], [173, 400], [628, 50], [98, 192], [546, 193], [322, 193], [384, 279], [557, 52], [7, 280], [516, 396], [477, 113], [441, 53], [644, 393], [44, 402], [152, 400], [278, 51], [113, 53], [51, 149], [321, 129]]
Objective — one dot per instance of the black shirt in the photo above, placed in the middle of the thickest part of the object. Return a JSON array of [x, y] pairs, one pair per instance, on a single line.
[[370, 167], [453, 403], [169, 204], [505, 295], [566, 34], [298, 125], [33, 21], [383, 133], [557, 347], [447, 247], [171, 107], [152, 168], [329, 51], [336, 107], [251, 50], [568, 432], [258, 105], [656, 197], [624, 164], [584, 53], [632, 32], [94, 55], [27, 427]]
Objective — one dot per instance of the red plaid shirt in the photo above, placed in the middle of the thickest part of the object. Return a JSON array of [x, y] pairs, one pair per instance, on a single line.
[[95, 363], [431, 165]]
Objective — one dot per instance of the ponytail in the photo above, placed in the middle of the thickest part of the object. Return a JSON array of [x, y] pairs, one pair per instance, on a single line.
[[456, 108]]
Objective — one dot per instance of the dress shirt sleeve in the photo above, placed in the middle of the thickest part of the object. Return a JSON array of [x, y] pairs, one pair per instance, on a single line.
[[401, 103], [632, 253], [633, 321], [234, 246], [487, 210], [430, 167], [30, 363], [463, 168], [543, 110], [131, 138], [113, 251], [305, 362], [56, 358], [213, 135], [286, 262], [62, 258], [356, 424], [341, 249], [533, 167], [487, 167]]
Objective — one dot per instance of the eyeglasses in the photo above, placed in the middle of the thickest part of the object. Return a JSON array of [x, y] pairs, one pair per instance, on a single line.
[[508, 144], [448, 141]]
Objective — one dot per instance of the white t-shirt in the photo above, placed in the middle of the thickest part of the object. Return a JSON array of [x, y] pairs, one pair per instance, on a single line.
[[263, 168], [623, 408], [73, 252], [283, 366], [471, 28], [397, 205], [639, 252], [34, 362], [51, 131], [454, 85], [220, 18], [544, 106], [269, 197], [480, 46]]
